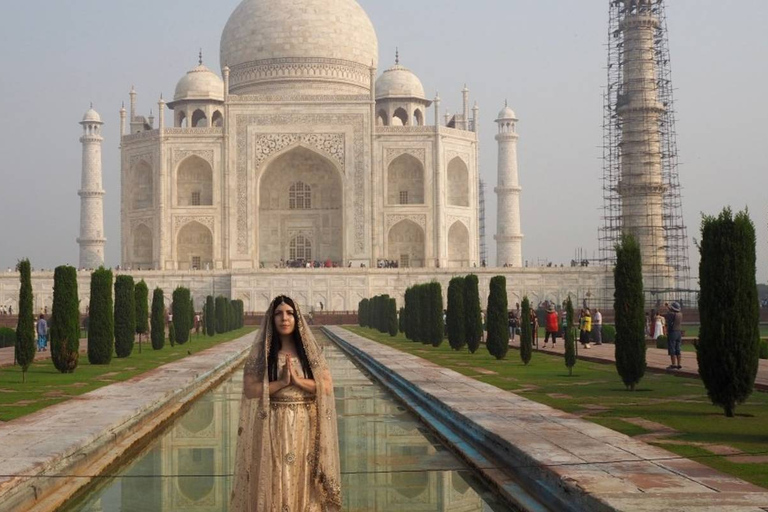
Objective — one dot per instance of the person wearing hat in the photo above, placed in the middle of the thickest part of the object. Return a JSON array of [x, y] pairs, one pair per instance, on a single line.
[[674, 320], [552, 326]]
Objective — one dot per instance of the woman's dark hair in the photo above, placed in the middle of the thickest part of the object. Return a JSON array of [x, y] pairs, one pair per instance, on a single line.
[[276, 344]]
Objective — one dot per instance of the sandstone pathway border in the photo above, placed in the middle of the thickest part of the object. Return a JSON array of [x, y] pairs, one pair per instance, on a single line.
[[47, 456], [567, 463]]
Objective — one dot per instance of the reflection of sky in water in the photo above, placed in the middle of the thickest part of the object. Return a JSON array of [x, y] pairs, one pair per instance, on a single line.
[[389, 461]]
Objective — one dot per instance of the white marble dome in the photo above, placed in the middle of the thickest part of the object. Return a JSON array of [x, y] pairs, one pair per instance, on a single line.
[[507, 114], [324, 44], [399, 82], [91, 116], [200, 84]]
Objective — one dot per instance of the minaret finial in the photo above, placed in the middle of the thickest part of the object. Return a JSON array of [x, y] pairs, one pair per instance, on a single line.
[[200, 60], [91, 104], [397, 56]]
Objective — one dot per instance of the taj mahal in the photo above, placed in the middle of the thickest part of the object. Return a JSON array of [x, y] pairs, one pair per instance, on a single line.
[[301, 150]]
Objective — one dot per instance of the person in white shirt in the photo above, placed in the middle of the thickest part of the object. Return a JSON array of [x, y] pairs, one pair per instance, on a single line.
[[597, 327]]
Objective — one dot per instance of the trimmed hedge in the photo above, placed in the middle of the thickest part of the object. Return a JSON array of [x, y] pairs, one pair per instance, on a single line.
[[125, 316], [221, 314], [7, 337], [65, 320], [182, 316], [609, 334], [456, 321], [141, 293], [472, 309], [526, 333], [210, 316], [629, 305], [101, 326], [570, 337], [25, 327], [763, 349], [393, 323], [497, 318], [157, 332], [662, 342]]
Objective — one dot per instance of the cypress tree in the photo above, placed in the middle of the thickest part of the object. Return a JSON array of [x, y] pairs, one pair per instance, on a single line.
[[191, 315], [158, 319], [436, 323], [405, 317], [221, 314], [363, 313], [393, 326], [570, 342], [474, 321], [25, 327], [497, 319], [630, 316], [210, 316], [456, 318], [401, 320], [65, 320], [526, 332], [141, 293], [423, 317], [125, 316], [729, 339], [101, 326], [180, 307], [172, 334]]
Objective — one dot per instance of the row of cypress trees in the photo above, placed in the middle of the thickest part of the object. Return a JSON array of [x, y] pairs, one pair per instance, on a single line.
[[464, 323], [424, 314], [223, 315], [380, 313]]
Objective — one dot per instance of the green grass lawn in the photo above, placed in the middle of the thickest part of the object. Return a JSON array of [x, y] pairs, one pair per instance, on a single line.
[[45, 386], [596, 393]]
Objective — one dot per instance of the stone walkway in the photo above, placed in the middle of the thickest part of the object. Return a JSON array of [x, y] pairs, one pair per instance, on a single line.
[[583, 465], [656, 358], [82, 436]]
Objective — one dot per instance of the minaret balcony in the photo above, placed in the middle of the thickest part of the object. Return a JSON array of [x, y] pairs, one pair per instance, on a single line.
[[91, 193]]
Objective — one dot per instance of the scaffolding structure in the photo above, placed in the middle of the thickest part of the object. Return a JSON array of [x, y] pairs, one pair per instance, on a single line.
[[641, 184], [481, 216]]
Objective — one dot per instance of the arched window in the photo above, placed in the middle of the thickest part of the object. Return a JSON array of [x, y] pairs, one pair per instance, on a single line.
[[300, 248], [418, 118], [194, 186], [199, 120], [142, 189], [181, 120], [217, 119], [382, 119], [300, 197], [402, 115], [458, 183]]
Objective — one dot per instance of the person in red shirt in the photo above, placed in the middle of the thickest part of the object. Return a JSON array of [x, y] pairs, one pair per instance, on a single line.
[[552, 326]]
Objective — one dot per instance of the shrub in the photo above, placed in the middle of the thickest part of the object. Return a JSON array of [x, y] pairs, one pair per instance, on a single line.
[[65, 320], [436, 333], [472, 309], [570, 338], [497, 318], [662, 342], [729, 339], [609, 334], [393, 325], [763, 349], [401, 320], [7, 337], [172, 334], [456, 319], [210, 316], [25, 327], [141, 293], [630, 316], [158, 319], [408, 313], [125, 316], [221, 314], [101, 327], [526, 333], [181, 315]]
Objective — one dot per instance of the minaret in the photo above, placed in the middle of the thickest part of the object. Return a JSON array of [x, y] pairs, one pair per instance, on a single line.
[[91, 194], [641, 186], [509, 240]]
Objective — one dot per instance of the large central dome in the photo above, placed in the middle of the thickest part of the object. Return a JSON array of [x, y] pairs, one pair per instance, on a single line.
[[317, 46]]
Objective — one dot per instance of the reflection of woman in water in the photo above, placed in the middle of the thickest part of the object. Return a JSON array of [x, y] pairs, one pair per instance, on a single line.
[[287, 445]]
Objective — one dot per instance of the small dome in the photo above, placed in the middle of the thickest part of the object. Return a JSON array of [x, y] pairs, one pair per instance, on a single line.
[[275, 43], [91, 116], [200, 84], [507, 114], [399, 82]]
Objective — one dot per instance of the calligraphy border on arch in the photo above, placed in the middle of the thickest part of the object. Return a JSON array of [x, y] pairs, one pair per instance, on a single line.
[[148, 157], [181, 154], [330, 144], [452, 219], [419, 153], [243, 121], [418, 219], [450, 155], [180, 221]]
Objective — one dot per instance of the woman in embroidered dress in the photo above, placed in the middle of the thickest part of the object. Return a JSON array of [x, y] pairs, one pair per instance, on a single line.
[[287, 457]]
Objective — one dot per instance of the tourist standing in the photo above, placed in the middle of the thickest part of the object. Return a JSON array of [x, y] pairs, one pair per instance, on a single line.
[[585, 326], [658, 324], [42, 333], [512, 324], [551, 326], [534, 328], [675, 333], [597, 327]]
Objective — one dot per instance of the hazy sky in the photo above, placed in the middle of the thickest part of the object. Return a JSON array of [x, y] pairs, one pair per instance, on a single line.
[[547, 57]]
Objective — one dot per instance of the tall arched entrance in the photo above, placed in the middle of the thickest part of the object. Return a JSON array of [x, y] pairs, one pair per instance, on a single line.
[[458, 246], [194, 247], [301, 210], [405, 244]]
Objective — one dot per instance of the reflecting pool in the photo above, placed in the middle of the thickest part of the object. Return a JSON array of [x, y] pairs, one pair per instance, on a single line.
[[390, 462]]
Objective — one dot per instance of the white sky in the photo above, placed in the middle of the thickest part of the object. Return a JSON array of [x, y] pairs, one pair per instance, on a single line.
[[547, 57]]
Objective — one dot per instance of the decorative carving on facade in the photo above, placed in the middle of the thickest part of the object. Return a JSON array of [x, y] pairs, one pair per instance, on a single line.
[[147, 157], [149, 134], [405, 129], [331, 144], [182, 220], [450, 155], [419, 153], [181, 154], [452, 219], [208, 130], [356, 121], [147, 221], [299, 68], [249, 99], [392, 220]]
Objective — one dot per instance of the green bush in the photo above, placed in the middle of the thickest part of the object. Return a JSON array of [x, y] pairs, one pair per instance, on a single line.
[[142, 308], [763, 349], [65, 320], [171, 334], [526, 333], [662, 342], [629, 306], [210, 316], [181, 314], [609, 334], [472, 309], [497, 318], [25, 327], [125, 316], [570, 338], [456, 327], [401, 320], [393, 325], [436, 332], [221, 314], [157, 331], [729, 338], [7, 337], [101, 327]]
